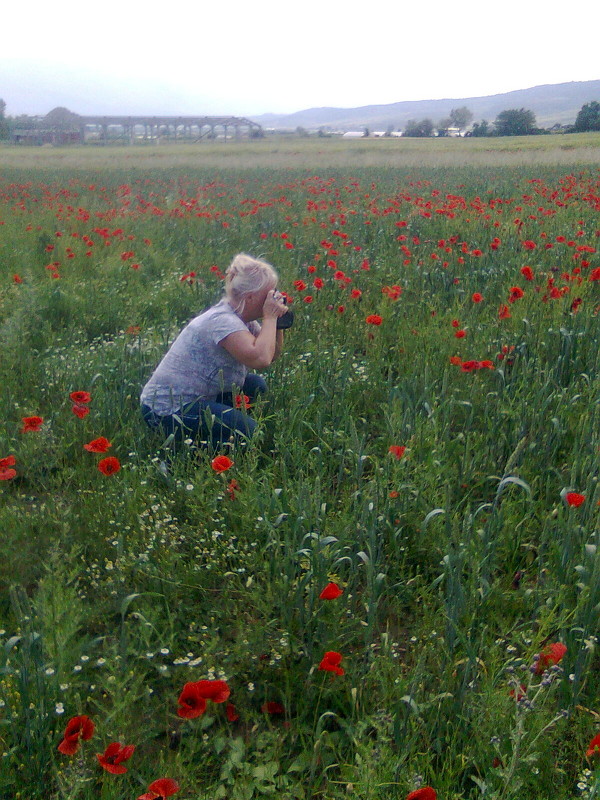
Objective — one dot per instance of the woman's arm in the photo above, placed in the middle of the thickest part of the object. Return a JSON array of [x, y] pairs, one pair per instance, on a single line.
[[257, 352]]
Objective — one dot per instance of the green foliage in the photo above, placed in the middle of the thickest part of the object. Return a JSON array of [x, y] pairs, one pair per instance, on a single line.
[[515, 122], [480, 129], [4, 131], [588, 118], [421, 129], [461, 117]]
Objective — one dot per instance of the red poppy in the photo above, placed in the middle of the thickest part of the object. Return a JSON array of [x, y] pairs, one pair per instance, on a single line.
[[308, 298], [374, 319], [550, 655], [217, 691], [516, 293], [527, 273], [424, 793], [158, 790], [242, 401], [455, 323], [31, 424], [17, 279], [231, 713], [397, 450], [272, 707], [330, 592], [111, 758], [299, 286], [80, 411], [476, 297], [80, 727], [519, 693], [232, 487], [469, 366], [318, 283], [191, 702], [393, 292], [594, 748], [455, 361], [331, 662], [529, 245], [503, 312], [221, 463], [80, 397], [356, 293], [6, 471], [99, 445], [460, 334], [574, 499], [109, 465]]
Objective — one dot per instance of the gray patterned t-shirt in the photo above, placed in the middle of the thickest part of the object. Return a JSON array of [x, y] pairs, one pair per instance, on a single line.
[[196, 365]]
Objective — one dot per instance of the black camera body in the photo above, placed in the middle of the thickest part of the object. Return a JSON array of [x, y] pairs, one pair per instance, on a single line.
[[286, 320]]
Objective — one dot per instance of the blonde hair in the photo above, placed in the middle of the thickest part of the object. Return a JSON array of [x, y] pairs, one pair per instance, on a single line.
[[244, 275]]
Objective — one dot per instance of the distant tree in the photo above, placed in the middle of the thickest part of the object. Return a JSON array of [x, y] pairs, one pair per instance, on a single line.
[[366, 133], [63, 119], [420, 129], [443, 125], [480, 129], [389, 130], [461, 117], [515, 122], [588, 118], [301, 132], [3, 123]]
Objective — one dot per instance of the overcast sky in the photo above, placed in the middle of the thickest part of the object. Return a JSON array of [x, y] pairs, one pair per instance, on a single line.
[[245, 58]]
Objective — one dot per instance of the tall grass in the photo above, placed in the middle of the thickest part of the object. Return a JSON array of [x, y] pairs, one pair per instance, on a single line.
[[460, 561]]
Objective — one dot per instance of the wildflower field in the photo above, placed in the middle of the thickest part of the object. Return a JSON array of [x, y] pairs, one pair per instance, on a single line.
[[394, 590]]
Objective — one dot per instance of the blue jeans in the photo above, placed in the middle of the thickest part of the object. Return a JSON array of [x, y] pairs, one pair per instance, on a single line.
[[226, 421]]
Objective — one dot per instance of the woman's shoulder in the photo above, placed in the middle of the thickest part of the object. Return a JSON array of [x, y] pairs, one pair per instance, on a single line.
[[217, 310], [217, 321]]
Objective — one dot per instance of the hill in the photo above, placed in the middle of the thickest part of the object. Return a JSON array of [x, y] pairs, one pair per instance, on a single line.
[[551, 103]]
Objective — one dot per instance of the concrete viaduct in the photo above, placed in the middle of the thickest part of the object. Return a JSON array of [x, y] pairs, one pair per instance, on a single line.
[[176, 127]]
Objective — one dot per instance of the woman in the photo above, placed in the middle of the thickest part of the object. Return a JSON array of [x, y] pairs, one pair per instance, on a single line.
[[193, 390]]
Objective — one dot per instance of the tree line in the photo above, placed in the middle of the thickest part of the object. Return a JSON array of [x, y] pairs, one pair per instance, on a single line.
[[512, 122]]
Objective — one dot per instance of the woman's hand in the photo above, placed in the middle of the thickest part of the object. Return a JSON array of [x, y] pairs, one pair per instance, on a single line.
[[273, 307]]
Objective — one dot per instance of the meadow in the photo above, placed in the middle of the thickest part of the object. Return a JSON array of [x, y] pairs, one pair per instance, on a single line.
[[394, 590]]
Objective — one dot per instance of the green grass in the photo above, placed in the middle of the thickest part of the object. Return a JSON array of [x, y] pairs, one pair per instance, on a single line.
[[290, 152], [459, 562]]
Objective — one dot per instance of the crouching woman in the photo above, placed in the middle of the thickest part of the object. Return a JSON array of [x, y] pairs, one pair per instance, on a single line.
[[193, 391]]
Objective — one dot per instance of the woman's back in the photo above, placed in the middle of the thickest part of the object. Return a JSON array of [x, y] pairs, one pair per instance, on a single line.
[[196, 366]]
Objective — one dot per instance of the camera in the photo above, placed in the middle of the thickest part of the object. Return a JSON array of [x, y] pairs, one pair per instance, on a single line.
[[286, 320]]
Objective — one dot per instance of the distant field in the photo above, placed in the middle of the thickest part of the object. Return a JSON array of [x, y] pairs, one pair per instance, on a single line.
[[582, 148]]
